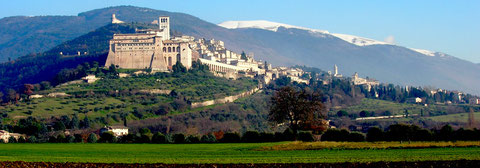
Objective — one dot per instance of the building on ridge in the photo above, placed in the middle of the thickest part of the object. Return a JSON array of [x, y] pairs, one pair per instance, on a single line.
[[149, 49]]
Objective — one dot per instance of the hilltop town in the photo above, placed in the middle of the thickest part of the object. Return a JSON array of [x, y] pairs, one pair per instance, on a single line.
[[154, 49]]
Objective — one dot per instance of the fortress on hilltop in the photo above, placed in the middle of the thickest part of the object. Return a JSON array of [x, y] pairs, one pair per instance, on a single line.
[[155, 49], [148, 48]]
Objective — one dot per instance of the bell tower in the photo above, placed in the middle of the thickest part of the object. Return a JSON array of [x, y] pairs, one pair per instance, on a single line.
[[164, 24]]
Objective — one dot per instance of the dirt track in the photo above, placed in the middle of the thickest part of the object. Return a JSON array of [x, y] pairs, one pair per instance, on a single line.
[[460, 163]]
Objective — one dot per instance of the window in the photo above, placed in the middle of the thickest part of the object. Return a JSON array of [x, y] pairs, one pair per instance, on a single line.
[[164, 49], [169, 49]]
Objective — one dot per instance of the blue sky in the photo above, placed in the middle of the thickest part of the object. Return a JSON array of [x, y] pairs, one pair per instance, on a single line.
[[452, 27]]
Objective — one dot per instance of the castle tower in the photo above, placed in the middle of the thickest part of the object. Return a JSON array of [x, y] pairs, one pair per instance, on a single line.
[[115, 20], [164, 24], [335, 70]]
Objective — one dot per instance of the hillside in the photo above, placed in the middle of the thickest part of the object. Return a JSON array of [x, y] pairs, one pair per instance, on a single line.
[[44, 66], [109, 100], [285, 46]]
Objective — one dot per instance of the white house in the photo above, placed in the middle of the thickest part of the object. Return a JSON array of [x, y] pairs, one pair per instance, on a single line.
[[117, 130], [5, 135]]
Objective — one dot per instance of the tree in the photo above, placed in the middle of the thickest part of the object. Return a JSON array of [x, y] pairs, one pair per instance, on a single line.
[[78, 138], [192, 139], [295, 107], [1, 97], [22, 140], [32, 139], [74, 123], [179, 68], [375, 134], [231, 138], [342, 113], [305, 136], [251, 136], [28, 89], [471, 119], [12, 95], [210, 138], [86, 122], [364, 113], [179, 138], [112, 72], [45, 85], [59, 126], [243, 56], [159, 138], [92, 138], [356, 137], [12, 140], [108, 137]]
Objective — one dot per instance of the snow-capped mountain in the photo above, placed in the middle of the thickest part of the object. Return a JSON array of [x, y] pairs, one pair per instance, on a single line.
[[263, 24], [273, 26]]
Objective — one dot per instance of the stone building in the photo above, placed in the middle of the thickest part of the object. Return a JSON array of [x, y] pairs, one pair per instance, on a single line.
[[149, 48], [5, 135], [116, 130]]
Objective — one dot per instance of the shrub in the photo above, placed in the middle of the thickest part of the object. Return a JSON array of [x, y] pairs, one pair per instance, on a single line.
[[178, 138], [279, 136], [192, 139], [331, 135], [108, 137], [70, 139], [159, 138], [129, 138], [12, 140], [251, 136], [52, 139], [210, 138], [145, 138], [356, 137], [305, 136], [32, 139], [231, 138], [375, 134], [61, 138], [289, 135], [78, 138], [267, 137], [22, 140]]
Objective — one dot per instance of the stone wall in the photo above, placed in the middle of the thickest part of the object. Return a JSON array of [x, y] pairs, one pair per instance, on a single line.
[[225, 99]]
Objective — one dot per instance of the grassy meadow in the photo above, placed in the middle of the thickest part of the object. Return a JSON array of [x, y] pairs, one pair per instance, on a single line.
[[221, 153]]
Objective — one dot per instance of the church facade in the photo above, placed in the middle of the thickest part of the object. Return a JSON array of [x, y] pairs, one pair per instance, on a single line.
[[149, 48]]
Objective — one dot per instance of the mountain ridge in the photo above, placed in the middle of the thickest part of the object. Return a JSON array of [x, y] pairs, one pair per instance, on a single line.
[[273, 26], [284, 47]]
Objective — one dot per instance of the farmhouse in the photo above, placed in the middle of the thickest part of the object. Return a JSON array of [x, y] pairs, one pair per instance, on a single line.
[[5, 135], [117, 130]]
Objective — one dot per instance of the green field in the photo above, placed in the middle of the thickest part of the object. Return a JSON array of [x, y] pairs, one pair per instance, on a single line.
[[218, 153], [458, 118], [380, 106]]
